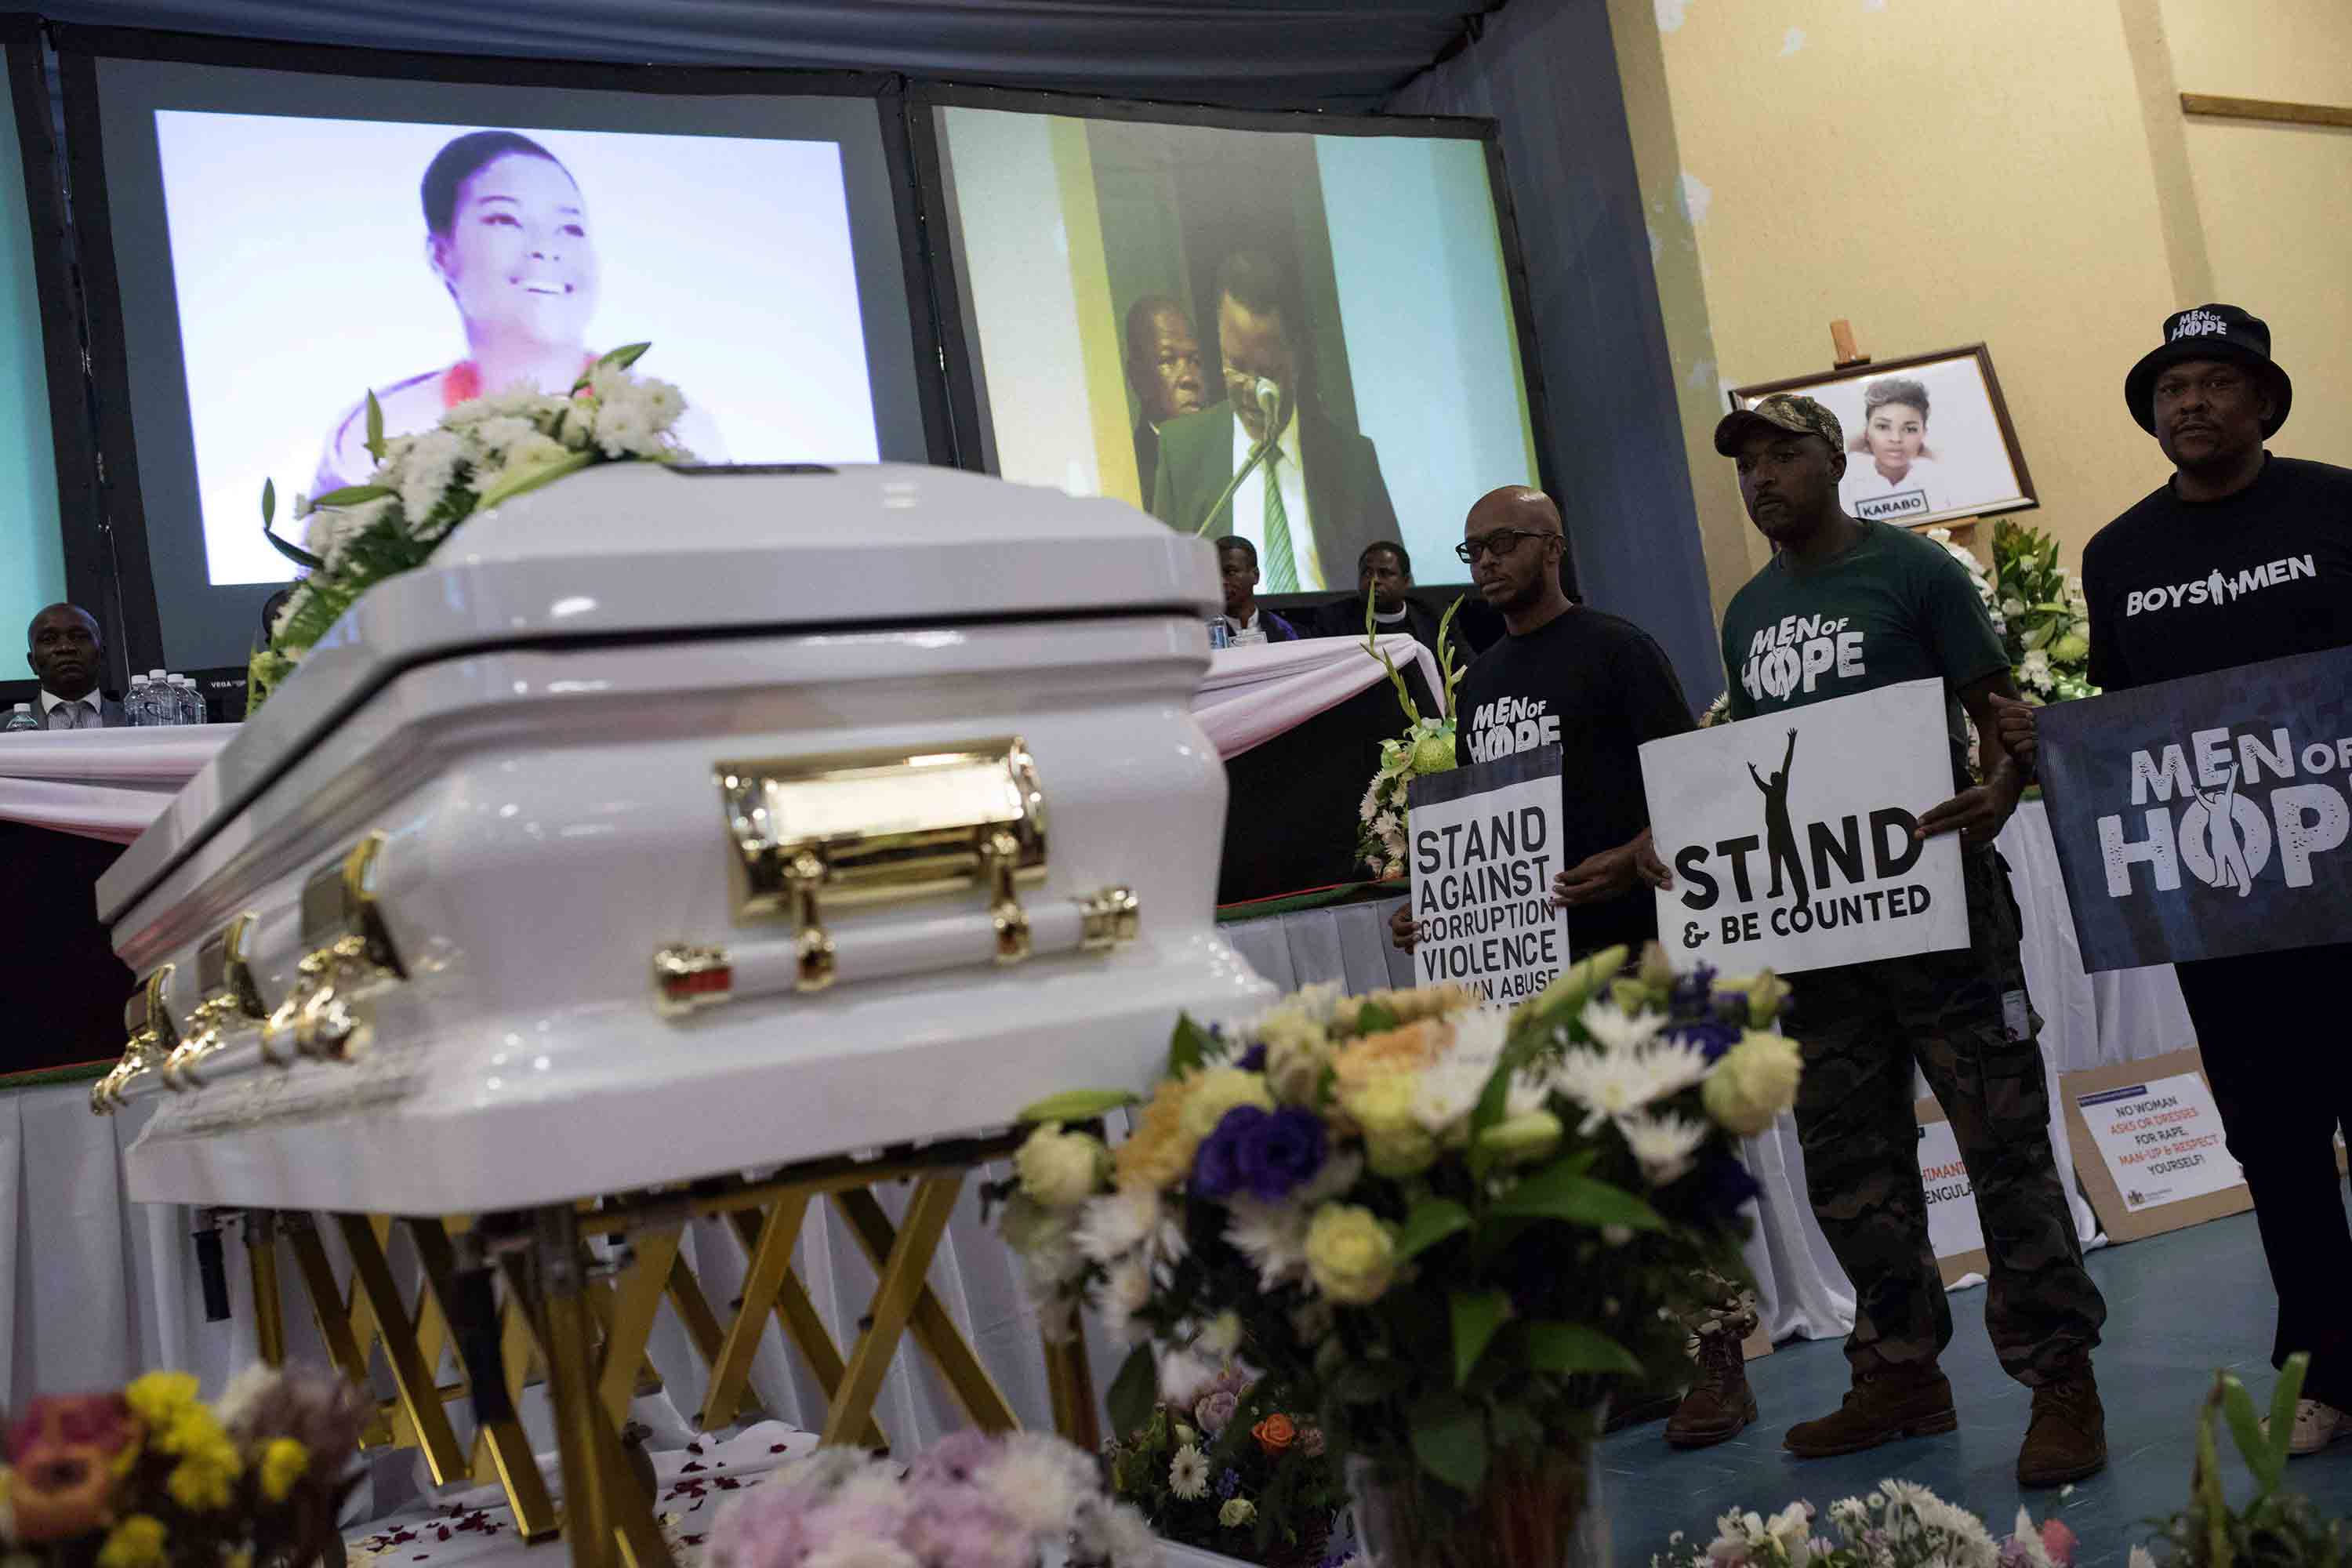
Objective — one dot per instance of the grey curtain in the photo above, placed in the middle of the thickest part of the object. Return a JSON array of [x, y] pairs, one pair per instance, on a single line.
[[1547, 71], [1288, 53]]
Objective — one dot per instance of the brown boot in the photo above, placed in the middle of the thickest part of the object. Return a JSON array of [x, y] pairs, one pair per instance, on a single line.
[[2067, 1438], [1721, 1405], [1895, 1401]]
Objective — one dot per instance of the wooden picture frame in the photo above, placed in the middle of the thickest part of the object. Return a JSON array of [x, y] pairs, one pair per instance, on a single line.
[[2116, 1216], [1959, 458]]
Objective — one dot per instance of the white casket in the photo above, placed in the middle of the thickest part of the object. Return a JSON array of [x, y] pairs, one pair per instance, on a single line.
[[680, 822]]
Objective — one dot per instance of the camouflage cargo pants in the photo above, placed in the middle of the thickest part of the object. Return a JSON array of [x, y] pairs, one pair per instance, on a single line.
[[1717, 1305], [1964, 1018]]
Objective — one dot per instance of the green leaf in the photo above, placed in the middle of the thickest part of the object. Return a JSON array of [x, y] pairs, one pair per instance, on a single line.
[[1077, 1105], [1572, 1348], [2283, 1402], [1188, 1048], [625, 355], [269, 503], [1563, 1191], [351, 495], [1477, 1315], [519, 480], [374, 427], [294, 553], [2246, 1427], [1134, 1391], [1375, 1018], [1368, 1381], [1450, 1440], [1430, 1222]]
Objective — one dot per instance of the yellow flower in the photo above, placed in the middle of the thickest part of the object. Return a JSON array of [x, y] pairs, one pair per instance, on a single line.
[[158, 1396], [1400, 1151], [1060, 1169], [1400, 1051], [1352, 1253], [201, 1481], [1219, 1090], [136, 1543], [1755, 1081], [193, 1430], [1380, 1104], [283, 1461], [1158, 1150], [1240, 1510]]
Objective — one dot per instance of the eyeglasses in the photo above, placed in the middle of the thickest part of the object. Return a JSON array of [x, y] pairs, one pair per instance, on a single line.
[[1500, 543]]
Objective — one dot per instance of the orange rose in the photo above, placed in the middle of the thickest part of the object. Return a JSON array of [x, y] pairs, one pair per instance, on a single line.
[[1276, 1434]]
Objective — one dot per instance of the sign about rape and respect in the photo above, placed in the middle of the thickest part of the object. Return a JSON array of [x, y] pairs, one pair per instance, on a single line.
[[1483, 845], [2162, 1160], [1791, 837]]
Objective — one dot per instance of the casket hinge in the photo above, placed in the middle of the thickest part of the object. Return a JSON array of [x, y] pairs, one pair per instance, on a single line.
[[230, 1003], [351, 954], [1000, 859], [1112, 918]]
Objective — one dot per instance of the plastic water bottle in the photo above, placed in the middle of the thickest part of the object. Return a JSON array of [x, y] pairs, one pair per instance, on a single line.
[[1221, 632], [161, 709], [183, 692], [22, 719], [199, 710], [135, 706]]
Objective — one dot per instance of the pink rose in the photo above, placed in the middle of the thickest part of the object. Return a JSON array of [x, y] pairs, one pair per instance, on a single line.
[[2059, 1542], [1215, 1410]]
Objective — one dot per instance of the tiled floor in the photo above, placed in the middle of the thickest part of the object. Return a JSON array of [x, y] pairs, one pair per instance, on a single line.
[[2178, 1306]]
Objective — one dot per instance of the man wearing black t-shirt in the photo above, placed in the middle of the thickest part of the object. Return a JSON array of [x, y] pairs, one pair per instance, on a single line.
[[1597, 685], [2183, 583]]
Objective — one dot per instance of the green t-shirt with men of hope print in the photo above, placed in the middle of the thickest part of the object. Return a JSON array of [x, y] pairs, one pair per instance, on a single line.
[[1893, 607]]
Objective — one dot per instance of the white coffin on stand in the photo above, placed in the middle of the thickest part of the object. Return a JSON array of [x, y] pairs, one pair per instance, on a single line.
[[498, 791]]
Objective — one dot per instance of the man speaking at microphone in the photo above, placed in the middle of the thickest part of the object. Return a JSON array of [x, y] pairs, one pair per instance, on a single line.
[[1311, 498]]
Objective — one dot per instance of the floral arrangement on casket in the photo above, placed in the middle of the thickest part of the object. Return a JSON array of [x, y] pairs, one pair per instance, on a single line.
[[1204, 1478], [971, 1501], [1899, 1525], [1425, 747], [150, 1477], [485, 451], [1451, 1230]]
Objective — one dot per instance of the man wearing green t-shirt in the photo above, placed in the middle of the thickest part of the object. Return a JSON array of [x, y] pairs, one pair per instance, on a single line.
[[1847, 606]]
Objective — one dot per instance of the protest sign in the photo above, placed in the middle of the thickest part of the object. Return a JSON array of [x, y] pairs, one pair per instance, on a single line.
[[1483, 845], [2148, 1145], [1790, 838], [2207, 816], [1953, 1228]]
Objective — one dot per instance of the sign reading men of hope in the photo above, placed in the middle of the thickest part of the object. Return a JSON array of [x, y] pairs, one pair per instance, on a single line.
[[1791, 837], [2207, 817], [1483, 846]]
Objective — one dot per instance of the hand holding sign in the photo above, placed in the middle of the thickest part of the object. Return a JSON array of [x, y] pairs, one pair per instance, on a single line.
[[2019, 735]]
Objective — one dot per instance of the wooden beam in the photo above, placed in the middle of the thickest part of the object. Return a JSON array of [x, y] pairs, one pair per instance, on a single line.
[[2211, 106]]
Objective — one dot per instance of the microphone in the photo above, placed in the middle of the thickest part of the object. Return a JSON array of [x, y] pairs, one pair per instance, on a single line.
[[1269, 404], [1268, 396]]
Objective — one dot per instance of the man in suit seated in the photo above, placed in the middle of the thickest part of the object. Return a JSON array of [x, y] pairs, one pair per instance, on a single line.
[[1316, 498], [1251, 621], [1163, 366], [63, 647], [1385, 577]]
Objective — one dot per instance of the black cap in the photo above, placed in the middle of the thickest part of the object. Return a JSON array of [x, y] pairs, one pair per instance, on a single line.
[[2209, 332]]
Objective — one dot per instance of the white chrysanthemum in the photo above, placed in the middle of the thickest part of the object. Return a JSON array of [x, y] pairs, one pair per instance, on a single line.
[[1446, 1091], [1372, 804], [2028, 1540], [1272, 1237], [1114, 1226], [1662, 1144], [1188, 1473], [1034, 1489], [1118, 1534], [245, 1390], [1385, 824], [1616, 1030], [1616, 1083], [1124, 1292], [425, 471], [330, 530]]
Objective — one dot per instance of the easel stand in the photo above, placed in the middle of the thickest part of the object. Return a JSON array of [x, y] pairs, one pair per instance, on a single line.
[[583, 1325]]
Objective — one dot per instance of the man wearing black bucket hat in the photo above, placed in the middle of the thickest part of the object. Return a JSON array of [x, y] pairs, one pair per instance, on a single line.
[[2182, 584]]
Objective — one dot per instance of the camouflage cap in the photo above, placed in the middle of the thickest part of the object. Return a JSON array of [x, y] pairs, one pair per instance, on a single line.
[[1780, 411]]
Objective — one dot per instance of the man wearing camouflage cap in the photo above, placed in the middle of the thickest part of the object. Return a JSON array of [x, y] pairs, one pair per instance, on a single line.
[[1906, 610]]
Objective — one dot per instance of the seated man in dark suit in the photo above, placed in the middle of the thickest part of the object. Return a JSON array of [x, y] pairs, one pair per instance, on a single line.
[[1251, 621], [1316, 498], [1383, 577], [63, 647], [1163, 366]]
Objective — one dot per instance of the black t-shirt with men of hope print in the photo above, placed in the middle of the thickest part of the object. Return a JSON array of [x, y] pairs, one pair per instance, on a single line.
[[1893, 607], [1598, 686]]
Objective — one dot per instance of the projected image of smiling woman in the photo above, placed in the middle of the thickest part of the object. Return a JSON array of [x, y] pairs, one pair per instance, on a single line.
[[508, 236]]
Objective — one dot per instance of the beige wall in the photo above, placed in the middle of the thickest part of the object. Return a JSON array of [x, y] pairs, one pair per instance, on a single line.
[[2010, 171], [2274, 202]]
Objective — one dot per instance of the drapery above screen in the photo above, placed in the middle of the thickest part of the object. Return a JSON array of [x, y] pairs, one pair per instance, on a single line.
[[1293, 53]]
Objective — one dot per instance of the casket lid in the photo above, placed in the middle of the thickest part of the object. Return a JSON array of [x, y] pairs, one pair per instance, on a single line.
[[625, 552]]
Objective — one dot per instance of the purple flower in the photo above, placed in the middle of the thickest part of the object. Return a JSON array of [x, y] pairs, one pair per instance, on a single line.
[[1217, 1165], [1229, 1483], [1722, 1183], [1216, 1409], [1253, 1058], [1711, 1036], [1693, 992], [1280, 1152], [968, 1530]]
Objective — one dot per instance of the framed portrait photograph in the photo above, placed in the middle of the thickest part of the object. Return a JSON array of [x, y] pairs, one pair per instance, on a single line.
[[1927, 438]]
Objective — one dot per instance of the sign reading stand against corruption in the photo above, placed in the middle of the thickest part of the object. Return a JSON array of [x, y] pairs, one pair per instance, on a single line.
[[1790, 837], [1482, 845], [2206, 816]]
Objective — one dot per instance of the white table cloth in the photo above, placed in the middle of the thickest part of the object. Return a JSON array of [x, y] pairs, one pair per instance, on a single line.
[[1253, 694]]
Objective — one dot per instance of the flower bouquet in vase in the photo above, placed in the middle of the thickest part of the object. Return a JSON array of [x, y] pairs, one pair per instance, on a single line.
[[484, 451], [1425, 747], [2042, 615], [1449, 1231]]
